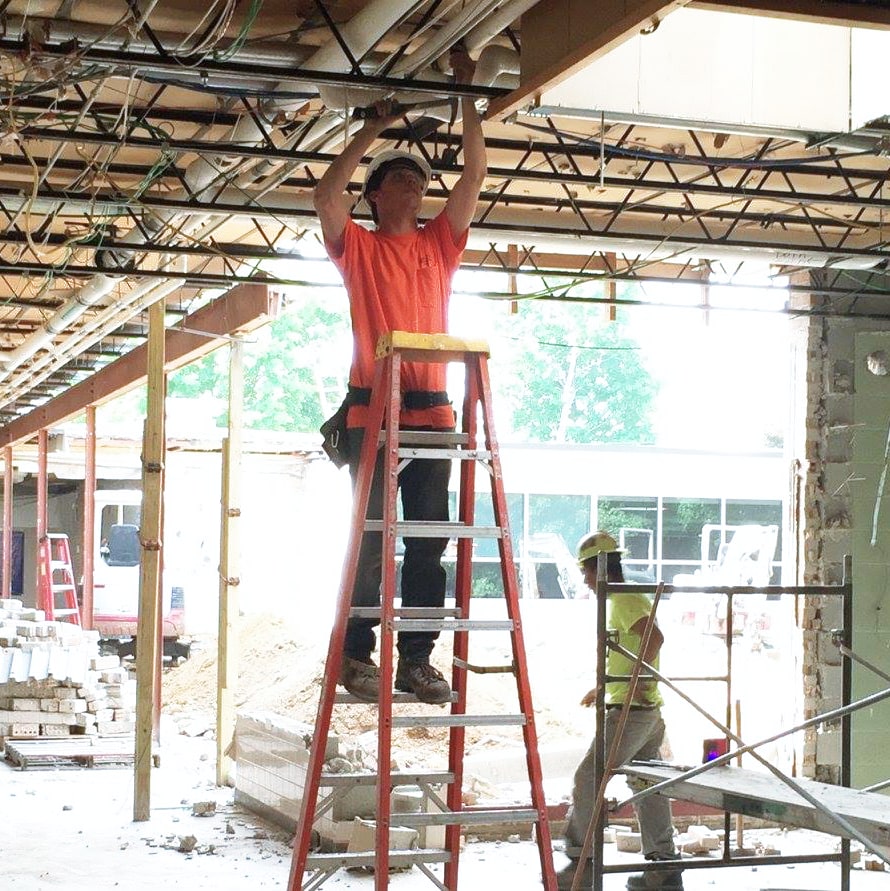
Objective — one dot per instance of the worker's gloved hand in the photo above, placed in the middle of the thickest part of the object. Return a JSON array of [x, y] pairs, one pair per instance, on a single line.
[[589, 698]]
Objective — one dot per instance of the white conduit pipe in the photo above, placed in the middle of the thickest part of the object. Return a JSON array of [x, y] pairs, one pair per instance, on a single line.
[[360, 34], [443, 39]]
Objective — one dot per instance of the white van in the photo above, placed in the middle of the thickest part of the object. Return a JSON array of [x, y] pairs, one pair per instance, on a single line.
[[116, 578]]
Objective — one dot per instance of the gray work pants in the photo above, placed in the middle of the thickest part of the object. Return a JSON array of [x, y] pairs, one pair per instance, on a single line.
[[641, 740]]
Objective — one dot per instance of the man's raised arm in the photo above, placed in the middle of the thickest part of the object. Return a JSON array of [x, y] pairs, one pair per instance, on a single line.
[[331, 200], [461, 205]]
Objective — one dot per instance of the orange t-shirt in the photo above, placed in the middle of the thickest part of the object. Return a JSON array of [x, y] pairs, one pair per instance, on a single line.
[[399, 283]]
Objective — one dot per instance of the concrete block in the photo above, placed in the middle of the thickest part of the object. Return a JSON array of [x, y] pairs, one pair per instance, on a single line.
[[26, 705], [24, 730], [72, 706], [54, 730], [364, 833]]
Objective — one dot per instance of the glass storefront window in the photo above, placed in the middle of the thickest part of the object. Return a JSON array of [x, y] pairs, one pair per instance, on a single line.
[[682, 522], [759, 513]]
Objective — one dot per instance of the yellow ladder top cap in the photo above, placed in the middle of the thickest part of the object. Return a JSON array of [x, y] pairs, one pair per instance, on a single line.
[[418, 344]]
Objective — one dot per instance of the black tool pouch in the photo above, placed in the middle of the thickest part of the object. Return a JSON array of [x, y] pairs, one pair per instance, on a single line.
[[334, 440]]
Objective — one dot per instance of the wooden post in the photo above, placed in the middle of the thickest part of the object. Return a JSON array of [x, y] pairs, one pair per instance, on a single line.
[[89, 518], [227, 658], [7, 522], [147, 650], [42, 521], [610, 291]]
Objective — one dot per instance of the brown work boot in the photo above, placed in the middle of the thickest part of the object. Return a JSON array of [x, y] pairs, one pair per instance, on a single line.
[[672, 880], [428, 684], [565, 878], [360, 678]]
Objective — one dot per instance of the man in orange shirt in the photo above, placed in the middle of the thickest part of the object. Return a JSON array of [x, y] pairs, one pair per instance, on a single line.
[[398, 278]]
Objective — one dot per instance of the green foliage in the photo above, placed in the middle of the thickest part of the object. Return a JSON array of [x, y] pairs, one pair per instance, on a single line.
[[572, 379], [301, 353]]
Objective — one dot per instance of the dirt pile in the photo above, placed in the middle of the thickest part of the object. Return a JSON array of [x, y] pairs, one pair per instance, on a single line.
[[281, 668]]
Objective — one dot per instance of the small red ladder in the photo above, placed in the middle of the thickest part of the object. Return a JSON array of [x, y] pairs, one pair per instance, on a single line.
[[55, 558], [310, 869]]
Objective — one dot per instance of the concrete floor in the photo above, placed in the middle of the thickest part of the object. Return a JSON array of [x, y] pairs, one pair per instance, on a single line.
[[72, 829]]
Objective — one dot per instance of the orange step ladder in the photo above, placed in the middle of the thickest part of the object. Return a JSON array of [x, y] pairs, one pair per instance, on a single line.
[[56, 577], [310, 869]]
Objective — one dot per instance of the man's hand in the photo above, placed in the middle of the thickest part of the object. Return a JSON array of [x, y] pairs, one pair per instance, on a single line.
[[589, 698], [379, 116]]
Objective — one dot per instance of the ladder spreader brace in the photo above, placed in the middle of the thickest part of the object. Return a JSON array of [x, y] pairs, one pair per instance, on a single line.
[[309, 869]]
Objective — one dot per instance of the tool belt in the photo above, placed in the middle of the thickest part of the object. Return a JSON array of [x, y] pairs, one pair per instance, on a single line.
[[412, 400], [333, 431]]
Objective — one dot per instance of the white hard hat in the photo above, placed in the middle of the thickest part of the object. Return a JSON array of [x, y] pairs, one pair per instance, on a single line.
[[386, 159]]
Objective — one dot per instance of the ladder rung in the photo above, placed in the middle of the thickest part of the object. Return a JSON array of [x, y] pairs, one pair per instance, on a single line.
[[59, 564], [330, 862], [406, 612], [65, 612], [428, 438], [458, 720], [59, 588], [399, 778], [451, 454], [396, 697], [467, 818], [437, 529], [454, 625]]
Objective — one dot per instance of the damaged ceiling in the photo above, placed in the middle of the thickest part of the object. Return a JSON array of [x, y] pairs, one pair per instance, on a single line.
[[161, 149]]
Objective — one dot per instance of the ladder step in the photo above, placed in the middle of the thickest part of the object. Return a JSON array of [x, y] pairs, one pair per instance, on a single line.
[[434, 624], [454, 625], [330, 862], [440, 529], [65, 612], [406, 612], [399, 778], [58, 589], [467, 818], [451, 454], [396, 698], [458, 720], [428, 438]]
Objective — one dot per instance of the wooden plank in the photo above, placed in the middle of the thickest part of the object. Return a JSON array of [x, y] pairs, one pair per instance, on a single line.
[[417, 347], [570, 34], [762, 795], [73, 751], [825, 12], [148, 653], [242, 309], [229, 574]]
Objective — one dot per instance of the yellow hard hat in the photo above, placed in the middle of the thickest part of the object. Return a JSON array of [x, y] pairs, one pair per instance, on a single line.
[[595, 543]]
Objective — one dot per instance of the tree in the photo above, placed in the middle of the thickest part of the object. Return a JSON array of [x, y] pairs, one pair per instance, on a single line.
[[294, 370], [571, 379]]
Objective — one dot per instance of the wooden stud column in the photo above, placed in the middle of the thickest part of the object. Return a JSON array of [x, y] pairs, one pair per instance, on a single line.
[[6, 591], [42, 498], [229, 579], [89, 518], [148, 654]]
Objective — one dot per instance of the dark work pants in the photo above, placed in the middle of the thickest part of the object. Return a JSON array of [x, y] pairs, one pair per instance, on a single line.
[[423, 487]]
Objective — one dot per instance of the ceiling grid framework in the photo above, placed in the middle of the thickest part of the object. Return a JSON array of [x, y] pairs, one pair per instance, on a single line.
[[151, 151]]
